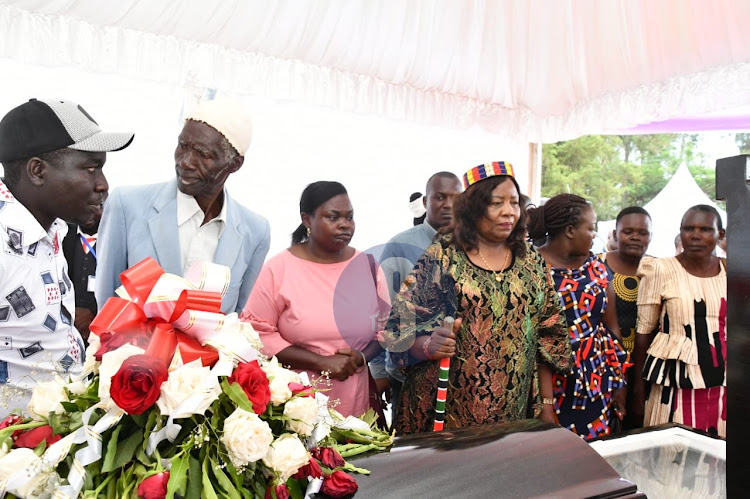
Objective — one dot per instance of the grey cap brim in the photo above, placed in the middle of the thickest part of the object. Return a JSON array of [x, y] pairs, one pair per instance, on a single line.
[[104, 142]]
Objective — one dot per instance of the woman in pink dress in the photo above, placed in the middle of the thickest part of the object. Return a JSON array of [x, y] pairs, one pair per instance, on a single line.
[[317, 304]]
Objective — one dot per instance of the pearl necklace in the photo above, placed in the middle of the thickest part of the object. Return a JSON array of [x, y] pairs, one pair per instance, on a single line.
[[507, 261]]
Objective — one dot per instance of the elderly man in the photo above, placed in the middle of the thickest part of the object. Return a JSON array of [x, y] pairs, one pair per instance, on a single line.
[[403, 251], [192, 217], [52, 154]]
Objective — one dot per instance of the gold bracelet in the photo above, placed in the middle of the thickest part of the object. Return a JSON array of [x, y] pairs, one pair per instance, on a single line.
[[548, 401]]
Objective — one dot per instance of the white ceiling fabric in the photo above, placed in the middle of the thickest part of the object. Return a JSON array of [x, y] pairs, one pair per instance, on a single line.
[[535, 70]]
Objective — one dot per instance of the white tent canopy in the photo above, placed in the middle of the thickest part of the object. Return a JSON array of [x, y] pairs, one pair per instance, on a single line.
[[535, 70], [666, 210], [376, 94]]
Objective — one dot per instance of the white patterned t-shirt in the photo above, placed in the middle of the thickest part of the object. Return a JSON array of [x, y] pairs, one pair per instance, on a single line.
[[37, 305]]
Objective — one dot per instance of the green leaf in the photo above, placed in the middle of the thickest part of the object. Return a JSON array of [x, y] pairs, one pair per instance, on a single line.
[[124, 451], [235, 392], [295, 488], [39, 449], [69, 406], [195, 481], [177, 474], [140, 419], [109, 455], [224, 482], [208, 488]]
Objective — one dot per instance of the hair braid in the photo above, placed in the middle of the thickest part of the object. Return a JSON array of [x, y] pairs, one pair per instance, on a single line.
[[556, 214]]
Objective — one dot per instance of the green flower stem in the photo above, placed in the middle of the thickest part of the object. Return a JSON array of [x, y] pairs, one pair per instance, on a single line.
[[354, 469], [103, 484], [6, 432], [359, 450]]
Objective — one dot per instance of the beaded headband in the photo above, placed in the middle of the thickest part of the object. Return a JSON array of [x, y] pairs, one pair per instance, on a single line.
[[482, 172]]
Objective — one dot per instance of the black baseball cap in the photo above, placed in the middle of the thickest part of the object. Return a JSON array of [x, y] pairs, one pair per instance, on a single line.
[[40, 126]]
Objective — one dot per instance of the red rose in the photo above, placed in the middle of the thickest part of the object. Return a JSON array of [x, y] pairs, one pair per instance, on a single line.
[[113, 341], [278, 492], [254, 383], [30, 439], [137, 384], [329, 457], [154, 487], [11, 420], [310, 469], [339, 484], [302, 390]]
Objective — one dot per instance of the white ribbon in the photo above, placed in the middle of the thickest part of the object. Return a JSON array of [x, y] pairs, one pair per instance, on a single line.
[[60, 449]]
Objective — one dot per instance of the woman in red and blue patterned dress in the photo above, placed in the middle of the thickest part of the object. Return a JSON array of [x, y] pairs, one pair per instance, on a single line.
[[586, 400]]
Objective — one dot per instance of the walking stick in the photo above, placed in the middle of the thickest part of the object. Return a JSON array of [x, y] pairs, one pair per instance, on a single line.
[[442, 390]]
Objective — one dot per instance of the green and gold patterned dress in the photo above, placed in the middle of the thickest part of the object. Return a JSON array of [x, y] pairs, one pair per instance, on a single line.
[[509, 325]]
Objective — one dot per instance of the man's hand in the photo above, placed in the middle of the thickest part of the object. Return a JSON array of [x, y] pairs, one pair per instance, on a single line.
[[82, 322]]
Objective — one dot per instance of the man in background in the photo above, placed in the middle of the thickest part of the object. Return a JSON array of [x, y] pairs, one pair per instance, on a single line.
[[79, 248], [191, 218], [52, 153], [416, 206], [403, 251]]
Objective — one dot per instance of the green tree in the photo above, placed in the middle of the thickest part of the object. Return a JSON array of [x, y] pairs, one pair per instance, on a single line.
[[743, 142], [616, 171]]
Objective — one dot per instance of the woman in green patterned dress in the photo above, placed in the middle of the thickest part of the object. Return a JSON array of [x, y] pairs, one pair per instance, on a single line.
[[510, 332]]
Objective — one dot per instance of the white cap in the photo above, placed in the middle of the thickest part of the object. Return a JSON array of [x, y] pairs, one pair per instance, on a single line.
[[229, 118]]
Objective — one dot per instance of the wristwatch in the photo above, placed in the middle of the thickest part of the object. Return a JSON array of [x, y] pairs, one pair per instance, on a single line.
[[548, 401]]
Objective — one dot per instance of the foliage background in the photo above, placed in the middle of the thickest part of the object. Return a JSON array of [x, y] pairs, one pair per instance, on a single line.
[[615, 171]]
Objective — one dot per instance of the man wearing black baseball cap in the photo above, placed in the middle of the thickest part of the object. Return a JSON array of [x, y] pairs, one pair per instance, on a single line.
[[52, 153]]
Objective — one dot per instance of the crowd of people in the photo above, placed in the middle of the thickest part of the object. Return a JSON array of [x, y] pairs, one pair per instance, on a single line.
[[543, 328]]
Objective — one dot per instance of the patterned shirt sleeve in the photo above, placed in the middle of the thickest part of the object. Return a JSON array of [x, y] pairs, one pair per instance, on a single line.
[[554, 344], [419, 307]]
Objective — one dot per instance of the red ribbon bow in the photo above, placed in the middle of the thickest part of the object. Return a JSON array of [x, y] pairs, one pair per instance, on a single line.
[[123, 321]]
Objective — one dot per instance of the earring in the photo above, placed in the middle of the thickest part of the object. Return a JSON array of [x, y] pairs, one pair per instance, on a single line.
[[308, 231]]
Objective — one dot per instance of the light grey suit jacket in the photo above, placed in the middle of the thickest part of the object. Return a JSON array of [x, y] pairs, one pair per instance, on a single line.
[[141, 221]]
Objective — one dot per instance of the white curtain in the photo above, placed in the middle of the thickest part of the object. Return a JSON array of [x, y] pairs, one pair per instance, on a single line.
[[536, 70]]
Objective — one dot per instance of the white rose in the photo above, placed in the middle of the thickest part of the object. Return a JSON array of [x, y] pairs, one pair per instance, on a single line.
[[246, 437], [279, 379], [191, 381], [302, 412], [111, 362], [46, 398], [91, 365], [286, 455], [78, 387], [36, 480]]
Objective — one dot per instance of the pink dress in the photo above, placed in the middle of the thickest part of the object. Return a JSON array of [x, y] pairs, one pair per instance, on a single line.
[[321, 308]]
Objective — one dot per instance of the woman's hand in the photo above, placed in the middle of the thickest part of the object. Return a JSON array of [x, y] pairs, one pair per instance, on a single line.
[[548, 414], [343, 363], [383, 386], [639, 405], [443, 342], [620, 397]]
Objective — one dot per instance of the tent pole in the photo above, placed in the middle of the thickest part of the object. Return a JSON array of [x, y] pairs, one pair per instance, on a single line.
[[534, 188]]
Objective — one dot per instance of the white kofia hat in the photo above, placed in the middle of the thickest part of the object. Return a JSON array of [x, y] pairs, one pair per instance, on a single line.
[[229, 118]]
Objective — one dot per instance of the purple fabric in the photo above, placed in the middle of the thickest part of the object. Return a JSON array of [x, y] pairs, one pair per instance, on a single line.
[[695, 124]]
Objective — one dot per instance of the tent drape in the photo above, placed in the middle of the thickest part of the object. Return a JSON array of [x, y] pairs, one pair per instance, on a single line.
[[535, 70]]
